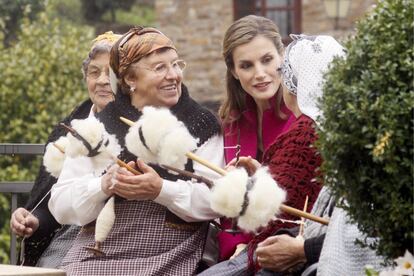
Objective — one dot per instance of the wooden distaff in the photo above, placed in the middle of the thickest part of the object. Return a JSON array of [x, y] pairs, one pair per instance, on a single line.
[[106, 217], [283, 207], [302, 226]]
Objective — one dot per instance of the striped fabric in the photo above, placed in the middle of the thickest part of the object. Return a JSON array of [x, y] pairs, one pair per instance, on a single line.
[[142, 242]]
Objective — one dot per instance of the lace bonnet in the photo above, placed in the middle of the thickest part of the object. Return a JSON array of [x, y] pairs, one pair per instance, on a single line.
[[306, 60]]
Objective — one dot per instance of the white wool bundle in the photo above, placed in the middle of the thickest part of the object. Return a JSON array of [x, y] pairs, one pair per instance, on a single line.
[[90, 129], [265, 199], [54, 158], [166, 139], [105, 220], [107, 155], [227, 194], [134, 145], [94, 132], [155, 124], [174, 146]]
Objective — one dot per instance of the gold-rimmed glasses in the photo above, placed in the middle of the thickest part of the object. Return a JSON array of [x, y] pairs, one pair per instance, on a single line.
[[161, 69]]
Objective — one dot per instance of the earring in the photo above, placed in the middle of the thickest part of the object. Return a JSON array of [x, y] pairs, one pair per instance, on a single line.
[[132, 90]]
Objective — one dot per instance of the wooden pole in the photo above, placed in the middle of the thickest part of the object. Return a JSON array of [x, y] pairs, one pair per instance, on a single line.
[[283, 207]]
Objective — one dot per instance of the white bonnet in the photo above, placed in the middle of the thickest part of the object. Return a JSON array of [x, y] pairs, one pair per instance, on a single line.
[[306, 60]]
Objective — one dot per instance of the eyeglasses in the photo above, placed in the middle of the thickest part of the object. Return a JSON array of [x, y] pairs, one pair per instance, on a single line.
[[161, 69], [95, 73]]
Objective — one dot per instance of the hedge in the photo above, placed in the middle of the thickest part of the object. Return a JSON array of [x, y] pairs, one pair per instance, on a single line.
[[366, 139]]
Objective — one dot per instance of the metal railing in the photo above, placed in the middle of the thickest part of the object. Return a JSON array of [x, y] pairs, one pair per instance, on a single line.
[[19, 187]]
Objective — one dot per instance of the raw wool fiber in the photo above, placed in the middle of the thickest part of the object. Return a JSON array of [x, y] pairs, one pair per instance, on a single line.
[[166, 139], [265, 199], [227, 194], [90, 129], [136, 146], [105, 220], [108, 154], [93, 131], [175, 145], [54, 158], [154, 124]]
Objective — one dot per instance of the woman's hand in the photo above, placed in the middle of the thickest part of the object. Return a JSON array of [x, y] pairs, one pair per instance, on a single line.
[[146, 186], [281, 252], [250, 164], [22, 223], [107, 180]]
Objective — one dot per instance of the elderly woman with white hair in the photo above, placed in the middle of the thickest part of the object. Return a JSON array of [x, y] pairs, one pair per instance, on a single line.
[[306, 60], [46, 241]]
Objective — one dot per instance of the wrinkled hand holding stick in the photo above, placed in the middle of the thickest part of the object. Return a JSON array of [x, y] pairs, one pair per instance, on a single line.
[[250, 220]]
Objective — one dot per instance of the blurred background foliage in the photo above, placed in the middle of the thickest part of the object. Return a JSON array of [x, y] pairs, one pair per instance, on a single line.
[[43, 46], [12, 12]]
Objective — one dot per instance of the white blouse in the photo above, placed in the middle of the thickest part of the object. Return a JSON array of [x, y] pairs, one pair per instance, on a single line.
[[77, 197]]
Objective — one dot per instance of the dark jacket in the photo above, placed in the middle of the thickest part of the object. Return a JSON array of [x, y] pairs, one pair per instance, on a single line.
[[48, 226]]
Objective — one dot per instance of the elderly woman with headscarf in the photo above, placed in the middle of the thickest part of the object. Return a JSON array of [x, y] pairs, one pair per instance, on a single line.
[[292, 155], [46, 240], [160, 226]]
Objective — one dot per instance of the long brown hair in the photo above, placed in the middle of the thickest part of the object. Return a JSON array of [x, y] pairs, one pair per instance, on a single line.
[[241, 32]]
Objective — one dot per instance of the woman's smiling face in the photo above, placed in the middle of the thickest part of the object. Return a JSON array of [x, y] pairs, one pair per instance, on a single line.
[[157, 80], [255, 66]]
